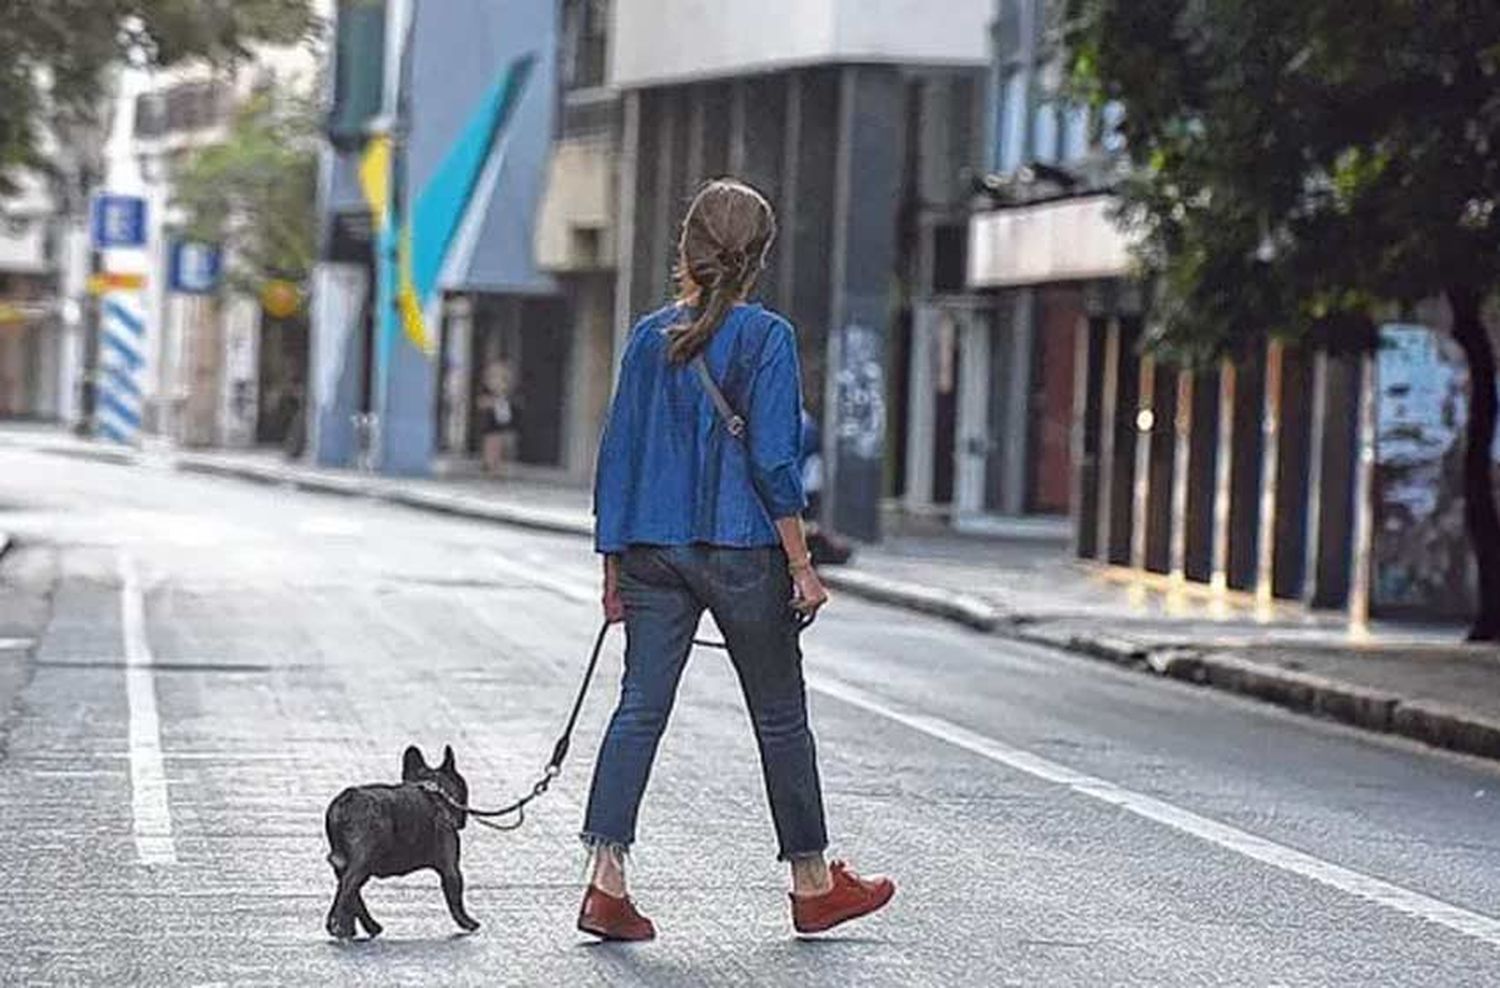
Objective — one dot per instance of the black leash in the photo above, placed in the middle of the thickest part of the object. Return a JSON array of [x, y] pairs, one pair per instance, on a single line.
[[486, 818]]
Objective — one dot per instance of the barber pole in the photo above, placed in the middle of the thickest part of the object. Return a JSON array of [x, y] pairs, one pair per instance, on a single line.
[[122, 349]]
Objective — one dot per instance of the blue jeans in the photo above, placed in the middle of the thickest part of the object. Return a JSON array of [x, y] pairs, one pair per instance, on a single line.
[[665, 590]]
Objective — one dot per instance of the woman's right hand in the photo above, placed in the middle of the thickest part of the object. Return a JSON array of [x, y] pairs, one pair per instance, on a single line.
[[808, 592]]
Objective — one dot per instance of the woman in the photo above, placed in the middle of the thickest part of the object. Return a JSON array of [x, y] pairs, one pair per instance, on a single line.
[[690, 517], [499, 418]]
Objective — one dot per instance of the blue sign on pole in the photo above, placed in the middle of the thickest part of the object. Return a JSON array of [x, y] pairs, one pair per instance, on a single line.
[[118, 221], [195, 268]]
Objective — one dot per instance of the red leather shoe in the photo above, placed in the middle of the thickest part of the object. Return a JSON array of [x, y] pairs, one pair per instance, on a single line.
[[611, 917], [850, 898]]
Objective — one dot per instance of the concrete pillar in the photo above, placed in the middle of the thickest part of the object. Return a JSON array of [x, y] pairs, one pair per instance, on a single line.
[[204, 345], [1245, 454], [338, 342], [1361, 561], [974, 440], [1014, 444], [627, 178], [240, 385], [867, 185], [1200, 482], [1088, 371], [458, 373], [1270, 475], [921, 407], [1140, 490], [1289, 531], [1331, 515], [1118, 441], [1182, 440], [1223, 475]]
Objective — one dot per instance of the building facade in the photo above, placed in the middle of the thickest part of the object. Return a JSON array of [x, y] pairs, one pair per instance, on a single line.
[[214, 367], [1286, 472], [859, 122]]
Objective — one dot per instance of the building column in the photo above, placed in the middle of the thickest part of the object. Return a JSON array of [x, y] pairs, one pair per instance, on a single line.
[[1245, 456], [870, 156], [1143, 421], [1270, 476], [1204, 457], [337, 341], [1182, 450], [627, 167], [1014, 446], [921, 407], [1223, 476], [1088, 386], [1330, 508], [972, 428], [240, 384], [1361, 556]]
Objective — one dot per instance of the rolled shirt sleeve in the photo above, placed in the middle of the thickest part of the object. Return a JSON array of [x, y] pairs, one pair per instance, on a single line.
[[775, 425]]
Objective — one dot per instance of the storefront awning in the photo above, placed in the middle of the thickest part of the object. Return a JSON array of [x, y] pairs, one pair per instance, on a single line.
[[1071, 240]]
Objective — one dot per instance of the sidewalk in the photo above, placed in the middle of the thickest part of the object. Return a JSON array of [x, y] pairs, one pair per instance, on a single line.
[[1421, 682]]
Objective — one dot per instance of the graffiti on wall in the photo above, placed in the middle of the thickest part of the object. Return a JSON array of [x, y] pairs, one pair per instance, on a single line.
[[1421, 556], [861, 394]]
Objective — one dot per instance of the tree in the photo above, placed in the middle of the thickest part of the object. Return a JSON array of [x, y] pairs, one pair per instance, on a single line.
[[1302, 166], [55, 56], [254, 192]]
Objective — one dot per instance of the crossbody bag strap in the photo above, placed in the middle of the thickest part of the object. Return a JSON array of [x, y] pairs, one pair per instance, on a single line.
[[733, 421]]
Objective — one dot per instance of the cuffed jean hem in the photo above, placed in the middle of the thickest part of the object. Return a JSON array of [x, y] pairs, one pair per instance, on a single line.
[[596, 842], [792, 857]]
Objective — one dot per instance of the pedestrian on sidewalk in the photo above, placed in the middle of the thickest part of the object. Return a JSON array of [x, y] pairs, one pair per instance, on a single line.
[[500, 417], [690, 517]]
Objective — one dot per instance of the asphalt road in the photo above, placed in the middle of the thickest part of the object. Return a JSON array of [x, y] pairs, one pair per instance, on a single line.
[[193, 667]]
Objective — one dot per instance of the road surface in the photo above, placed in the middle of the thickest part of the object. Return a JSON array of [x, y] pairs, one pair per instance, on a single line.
[[193, 667]]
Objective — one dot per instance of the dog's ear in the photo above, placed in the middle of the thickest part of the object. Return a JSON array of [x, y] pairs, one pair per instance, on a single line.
[[413, 765], [447, 765]]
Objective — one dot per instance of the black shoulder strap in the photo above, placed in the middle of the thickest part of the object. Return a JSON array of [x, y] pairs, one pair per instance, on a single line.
[[734, 423]]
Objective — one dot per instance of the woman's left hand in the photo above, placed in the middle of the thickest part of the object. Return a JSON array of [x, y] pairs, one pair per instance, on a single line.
[[614, 604], [808, 592]]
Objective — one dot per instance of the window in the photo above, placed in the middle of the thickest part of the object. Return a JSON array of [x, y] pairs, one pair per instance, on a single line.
[[1075, 132], [1044, 132], [585, 43]]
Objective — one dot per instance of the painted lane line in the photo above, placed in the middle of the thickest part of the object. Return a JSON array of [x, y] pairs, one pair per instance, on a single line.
[[1375, 890], [151, 813], [1266, 851]]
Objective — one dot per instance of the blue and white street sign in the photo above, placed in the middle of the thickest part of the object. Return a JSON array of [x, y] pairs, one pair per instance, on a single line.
[[118, 221], [195, 268]]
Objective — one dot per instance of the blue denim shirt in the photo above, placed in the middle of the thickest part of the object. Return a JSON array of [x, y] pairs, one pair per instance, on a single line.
[[669, 473]]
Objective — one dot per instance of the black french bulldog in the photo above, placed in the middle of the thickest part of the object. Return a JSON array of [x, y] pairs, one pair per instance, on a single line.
[[385, 830]]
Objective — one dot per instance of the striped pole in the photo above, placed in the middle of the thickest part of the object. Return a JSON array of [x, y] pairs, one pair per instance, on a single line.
[[122, 359]]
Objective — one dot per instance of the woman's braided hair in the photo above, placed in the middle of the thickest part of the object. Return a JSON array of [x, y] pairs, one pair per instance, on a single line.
[[725, 237]]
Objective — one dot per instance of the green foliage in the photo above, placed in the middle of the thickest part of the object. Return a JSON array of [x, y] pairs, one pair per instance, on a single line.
[[255, 191], [55, 55], [1299, 164]]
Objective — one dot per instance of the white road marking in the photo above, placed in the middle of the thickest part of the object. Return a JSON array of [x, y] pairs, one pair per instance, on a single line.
[[15, 644], [1378, 891], [1346, 880], [151, 813]]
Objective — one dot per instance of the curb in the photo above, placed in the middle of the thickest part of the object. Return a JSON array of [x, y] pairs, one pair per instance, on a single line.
[[1436, 724], [969, 611]]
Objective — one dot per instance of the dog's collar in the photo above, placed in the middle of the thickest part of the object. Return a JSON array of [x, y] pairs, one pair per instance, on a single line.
[[446, 805]]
